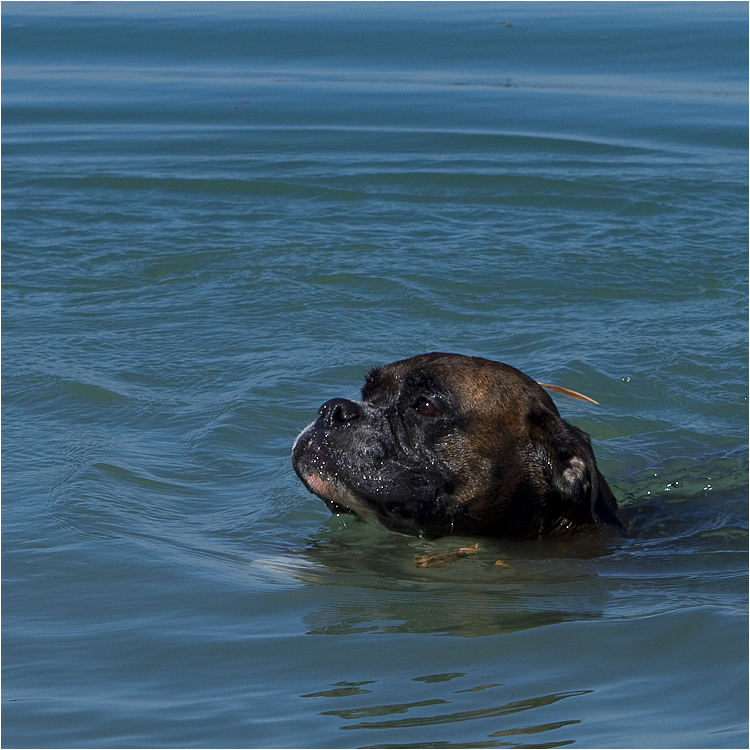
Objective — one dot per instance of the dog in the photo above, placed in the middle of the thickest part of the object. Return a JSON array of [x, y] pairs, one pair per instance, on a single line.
[[446, 444]]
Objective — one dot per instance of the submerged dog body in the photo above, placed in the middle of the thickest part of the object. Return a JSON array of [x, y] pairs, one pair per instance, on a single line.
[[447, 444]]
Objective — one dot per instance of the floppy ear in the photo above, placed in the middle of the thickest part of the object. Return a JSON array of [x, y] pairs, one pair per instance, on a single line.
[[604, 509], [580, 481], [575, 478]]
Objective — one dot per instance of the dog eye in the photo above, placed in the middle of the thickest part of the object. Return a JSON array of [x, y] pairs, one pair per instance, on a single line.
[[426, 408]]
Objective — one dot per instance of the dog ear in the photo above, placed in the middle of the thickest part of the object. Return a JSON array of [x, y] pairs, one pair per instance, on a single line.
[[604, 510], [581, 483], [574, 477]]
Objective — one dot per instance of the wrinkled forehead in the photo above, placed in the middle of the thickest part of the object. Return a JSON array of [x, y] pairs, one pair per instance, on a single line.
[[472, 381]]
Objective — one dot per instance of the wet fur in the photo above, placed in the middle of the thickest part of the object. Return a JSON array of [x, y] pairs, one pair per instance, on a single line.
[[446, 444]]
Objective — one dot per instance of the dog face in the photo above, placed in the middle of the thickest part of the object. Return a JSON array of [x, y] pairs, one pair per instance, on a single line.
[[447, 444]]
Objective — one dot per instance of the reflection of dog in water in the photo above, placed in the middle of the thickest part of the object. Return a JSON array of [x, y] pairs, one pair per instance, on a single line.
[[447, 444]]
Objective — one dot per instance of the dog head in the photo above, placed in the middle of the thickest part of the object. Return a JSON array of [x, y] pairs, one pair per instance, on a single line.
[[447, 444]]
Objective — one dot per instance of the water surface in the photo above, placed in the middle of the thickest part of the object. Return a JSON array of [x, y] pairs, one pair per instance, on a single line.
[[216, 217]]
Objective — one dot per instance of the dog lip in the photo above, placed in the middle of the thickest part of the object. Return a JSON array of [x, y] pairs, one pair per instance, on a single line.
[[319, 486], [326, 489], [310, 463], [308, 442], [337, 497]]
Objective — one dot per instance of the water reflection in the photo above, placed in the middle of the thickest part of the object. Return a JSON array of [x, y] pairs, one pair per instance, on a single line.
[[362, 580], [367, 581], [455, 707]]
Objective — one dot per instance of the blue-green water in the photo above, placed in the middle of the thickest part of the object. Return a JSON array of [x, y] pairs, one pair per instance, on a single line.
[[216, 217]]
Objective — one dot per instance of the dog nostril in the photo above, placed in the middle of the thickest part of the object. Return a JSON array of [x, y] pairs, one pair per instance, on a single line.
[[338, 411]]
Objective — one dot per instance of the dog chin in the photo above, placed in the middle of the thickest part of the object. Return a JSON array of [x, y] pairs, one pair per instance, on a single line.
[[340, 499], [325, 489]]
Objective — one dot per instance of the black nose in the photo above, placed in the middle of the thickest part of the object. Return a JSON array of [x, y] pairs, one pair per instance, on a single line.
[[339, 412]]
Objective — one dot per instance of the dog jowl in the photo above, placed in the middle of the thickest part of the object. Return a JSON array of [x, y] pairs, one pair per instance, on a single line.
[[447, 444]]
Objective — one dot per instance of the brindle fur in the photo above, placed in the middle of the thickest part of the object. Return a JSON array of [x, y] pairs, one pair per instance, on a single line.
[[489, 455]]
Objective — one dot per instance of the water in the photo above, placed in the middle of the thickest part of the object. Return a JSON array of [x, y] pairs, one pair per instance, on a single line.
[[216, 217]]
